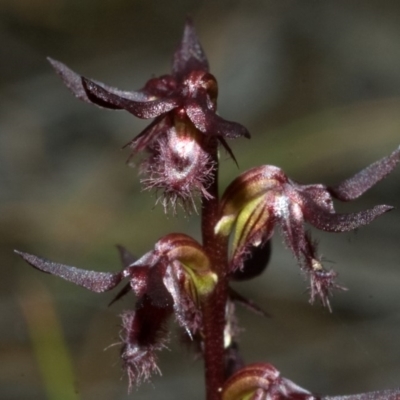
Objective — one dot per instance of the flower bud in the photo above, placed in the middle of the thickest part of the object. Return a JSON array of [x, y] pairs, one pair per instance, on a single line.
[[262, 381]]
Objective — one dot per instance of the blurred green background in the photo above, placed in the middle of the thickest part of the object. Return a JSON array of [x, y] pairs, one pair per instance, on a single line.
[[317, 83]]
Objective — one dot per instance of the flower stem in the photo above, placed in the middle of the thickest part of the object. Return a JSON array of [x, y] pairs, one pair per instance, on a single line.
[[214, 306]]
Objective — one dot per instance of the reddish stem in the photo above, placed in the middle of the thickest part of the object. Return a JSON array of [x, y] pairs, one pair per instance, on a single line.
[[214, 306]]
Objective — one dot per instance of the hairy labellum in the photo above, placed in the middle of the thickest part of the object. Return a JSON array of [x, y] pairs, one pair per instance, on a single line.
[[178, 166], [143, 333]]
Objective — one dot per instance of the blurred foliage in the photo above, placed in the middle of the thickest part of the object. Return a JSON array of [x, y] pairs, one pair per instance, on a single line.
[[316, 83]]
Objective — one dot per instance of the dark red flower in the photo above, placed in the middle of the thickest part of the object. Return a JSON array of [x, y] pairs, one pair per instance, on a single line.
[[263, 197], [172, 278], [190, 91], [184, 106]]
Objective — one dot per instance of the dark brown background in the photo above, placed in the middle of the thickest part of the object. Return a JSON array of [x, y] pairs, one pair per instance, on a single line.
[[316, 82]]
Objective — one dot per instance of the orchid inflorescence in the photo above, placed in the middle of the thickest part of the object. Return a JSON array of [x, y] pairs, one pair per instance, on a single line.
[[189, 280]]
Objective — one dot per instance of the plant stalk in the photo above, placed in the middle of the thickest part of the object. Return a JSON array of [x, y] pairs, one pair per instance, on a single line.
[[214, 307]]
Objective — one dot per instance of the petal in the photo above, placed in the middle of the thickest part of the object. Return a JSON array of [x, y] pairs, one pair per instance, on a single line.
[[355, 186], [187, 314], [73, 81], [207, 121], [92, 280], [145, 138], [247, 303], [157, 87], [332, 222], [228, 149], [124, 291], [190, 55], [127, 258], [290, 218], [318, 193], [142, 109]]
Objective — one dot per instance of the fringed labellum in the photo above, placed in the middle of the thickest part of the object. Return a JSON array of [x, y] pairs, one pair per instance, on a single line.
[[178, 165]]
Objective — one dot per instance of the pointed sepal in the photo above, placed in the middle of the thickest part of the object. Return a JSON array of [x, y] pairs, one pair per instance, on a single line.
[[75, 83], [93, 280], [358, 184], [190, 55]]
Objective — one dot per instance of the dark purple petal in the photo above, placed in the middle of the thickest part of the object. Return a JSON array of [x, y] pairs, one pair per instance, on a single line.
[[209, 122], [73, 81], [319, 195], [158, 293], [158, 87], [186, 313], [145, 279], [124, 291], [145, 138], [331, 222], [228, 149], [391, 394], [141, 109], [127, 258], [92, 280], [355, 186], [290, 218], [245, 302], [190, 55]]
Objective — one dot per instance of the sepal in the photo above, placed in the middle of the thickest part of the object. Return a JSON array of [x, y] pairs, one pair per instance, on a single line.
[[93, 280], [189, 55], [358, 184]]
